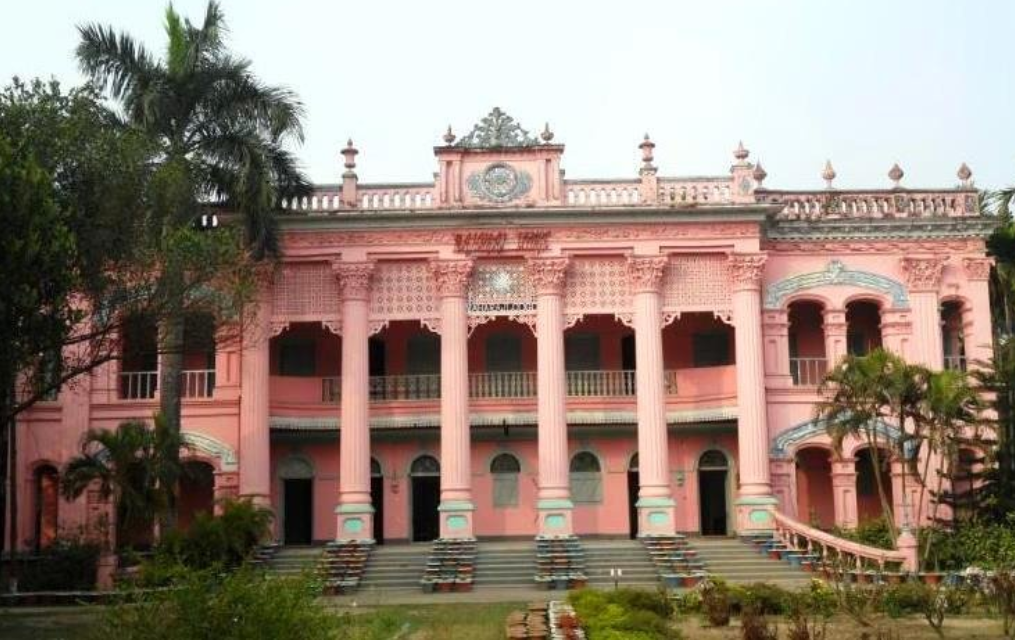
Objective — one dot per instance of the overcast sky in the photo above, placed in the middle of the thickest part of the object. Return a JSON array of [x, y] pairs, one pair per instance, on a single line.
[[927, 83]]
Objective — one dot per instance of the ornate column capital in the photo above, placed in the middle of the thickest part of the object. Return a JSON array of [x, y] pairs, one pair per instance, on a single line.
[[451, 277], [923, 274], [977, 268], [746, 270], [547, 275], [645, 273], [354, 279]]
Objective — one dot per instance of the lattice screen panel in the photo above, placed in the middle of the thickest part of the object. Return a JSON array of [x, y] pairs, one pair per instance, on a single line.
[[697, 283], [306, 292], [403, 291], [597, 285]]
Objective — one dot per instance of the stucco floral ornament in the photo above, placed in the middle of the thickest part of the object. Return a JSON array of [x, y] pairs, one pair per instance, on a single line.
[[923, 273], [499, 182], [496, 131]]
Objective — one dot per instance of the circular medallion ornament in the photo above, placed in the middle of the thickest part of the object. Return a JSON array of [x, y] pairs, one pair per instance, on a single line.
[[499, 182]]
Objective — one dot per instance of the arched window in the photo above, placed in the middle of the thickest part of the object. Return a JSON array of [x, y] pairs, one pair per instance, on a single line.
[[505, 469], [713, 459], [425, 466], [375, 468], [586, 478]]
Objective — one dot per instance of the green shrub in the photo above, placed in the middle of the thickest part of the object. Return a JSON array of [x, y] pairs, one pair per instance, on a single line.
[[625, 614], [764, 598], [217, 541], [873, 533], [66, 565], [687, 602], [982, 544], [715, 603], [243, 604], [907, 598]]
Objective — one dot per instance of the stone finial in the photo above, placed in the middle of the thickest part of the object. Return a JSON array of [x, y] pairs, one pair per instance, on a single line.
[[647, 147], [350, 155], [741, 153], [965, 173], [895, 174], [828, 175], [546, 135], [759, 174], [449, 136]]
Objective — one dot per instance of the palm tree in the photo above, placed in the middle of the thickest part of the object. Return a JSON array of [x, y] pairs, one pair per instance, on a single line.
[[135, 465], [864, 392], [221, 137]]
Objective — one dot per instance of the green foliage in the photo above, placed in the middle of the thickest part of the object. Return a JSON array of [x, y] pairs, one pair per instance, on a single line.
[[873, 533], [239, 605], [764, 598], [907, 598], [623, 614], [223, 541], [136, 465], [65, 565], [754, 626], [978, 543], [715, 602]]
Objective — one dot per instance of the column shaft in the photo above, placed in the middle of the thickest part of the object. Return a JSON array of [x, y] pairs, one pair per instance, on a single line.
[[755, 500], [254, 430], [456, 506]]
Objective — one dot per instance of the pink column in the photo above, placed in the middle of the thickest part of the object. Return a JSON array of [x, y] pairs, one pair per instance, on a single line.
[[844, 492], [456, 508], [776, 335], [835, 329], [923, 277], [255, 474], [655, 500], [355, 511], [978, 339], [755, 501], [554, 497], [896, 331]]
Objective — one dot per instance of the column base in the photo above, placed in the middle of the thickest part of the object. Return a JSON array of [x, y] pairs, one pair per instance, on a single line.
[[755, 513], [656, 516], [456, 519], [555, 517], [355, 522]]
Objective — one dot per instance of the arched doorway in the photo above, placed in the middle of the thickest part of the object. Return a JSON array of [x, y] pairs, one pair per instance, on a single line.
[[47, 505], [426, 497], [297, 476], [814, 487], [868, 502], [197, 491], [713, 471], [632, 496], [377, 499]]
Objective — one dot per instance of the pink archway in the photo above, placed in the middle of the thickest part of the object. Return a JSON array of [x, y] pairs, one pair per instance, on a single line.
[[815, 498]]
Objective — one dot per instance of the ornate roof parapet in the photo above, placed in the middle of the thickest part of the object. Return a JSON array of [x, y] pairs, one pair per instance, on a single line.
[[498, 130], [759, 174], [923, 273], [742, 176], [649, 187]]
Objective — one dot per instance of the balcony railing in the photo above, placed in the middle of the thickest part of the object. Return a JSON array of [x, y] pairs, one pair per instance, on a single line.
[[197, 383], [142, 385], [506, 384], [808, 372], [138, 385], [409, 387], [955, 363]]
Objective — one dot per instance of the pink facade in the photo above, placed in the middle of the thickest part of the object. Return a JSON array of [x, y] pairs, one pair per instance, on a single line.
[[503, 352]]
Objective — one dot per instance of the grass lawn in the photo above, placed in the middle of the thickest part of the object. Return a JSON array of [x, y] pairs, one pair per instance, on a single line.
[[480, 622]]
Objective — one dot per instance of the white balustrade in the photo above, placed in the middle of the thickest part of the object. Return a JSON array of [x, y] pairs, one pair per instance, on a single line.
[[405, 387], [831, 550], [955, 363], [807, 205], [138, 385], [197, 383], [331, 390], [808, 372], [506, 384]]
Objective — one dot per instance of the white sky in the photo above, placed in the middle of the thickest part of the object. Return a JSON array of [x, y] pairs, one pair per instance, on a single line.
[[866, 83]]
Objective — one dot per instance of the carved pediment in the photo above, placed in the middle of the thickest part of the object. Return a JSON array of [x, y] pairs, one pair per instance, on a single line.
[[497, 130]]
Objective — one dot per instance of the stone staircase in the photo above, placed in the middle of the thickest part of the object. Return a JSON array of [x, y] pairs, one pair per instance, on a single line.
[[501, 565], [736, 561], [290, 561], [628, 555], [395, 567]]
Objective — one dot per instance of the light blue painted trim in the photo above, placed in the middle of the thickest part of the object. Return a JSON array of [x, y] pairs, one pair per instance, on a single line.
[[757, 501], [456, 505], [782, 443], [836, 273], [354, 508], [544, 505], [655, 502]]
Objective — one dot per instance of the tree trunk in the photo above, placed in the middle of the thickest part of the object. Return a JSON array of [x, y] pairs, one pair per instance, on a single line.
[[886, 507], [170, 376], [12, 499]]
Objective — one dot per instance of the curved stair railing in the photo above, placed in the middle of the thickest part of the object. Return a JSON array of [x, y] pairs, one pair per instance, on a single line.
[[830, 549]]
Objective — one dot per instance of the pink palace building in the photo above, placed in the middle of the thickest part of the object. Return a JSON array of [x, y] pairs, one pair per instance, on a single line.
[[502, 351]]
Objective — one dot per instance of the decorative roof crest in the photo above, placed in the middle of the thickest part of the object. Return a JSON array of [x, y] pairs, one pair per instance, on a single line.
[[497, 130]]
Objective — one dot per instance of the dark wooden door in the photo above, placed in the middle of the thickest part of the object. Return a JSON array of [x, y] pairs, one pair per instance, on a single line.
[[632, 501], [426, 497], [299, 500], [377, 498], [712, 498]]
